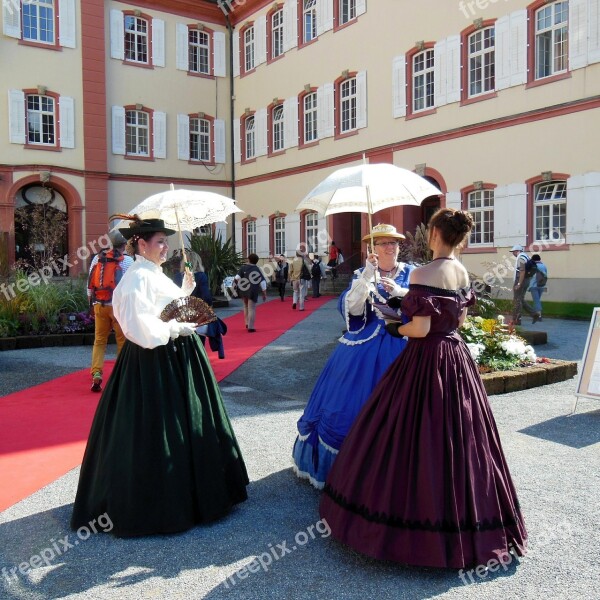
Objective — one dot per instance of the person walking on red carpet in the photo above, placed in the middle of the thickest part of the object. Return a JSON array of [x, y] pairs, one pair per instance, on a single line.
[[161, 456], [421, 478], [299, 274], [106, 270], [249, 282]]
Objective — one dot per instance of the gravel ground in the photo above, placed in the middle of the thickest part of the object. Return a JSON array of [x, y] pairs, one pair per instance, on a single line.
[[554, 460]]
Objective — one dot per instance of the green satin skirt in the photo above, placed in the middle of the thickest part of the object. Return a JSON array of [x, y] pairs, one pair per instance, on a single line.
[[162, 455]]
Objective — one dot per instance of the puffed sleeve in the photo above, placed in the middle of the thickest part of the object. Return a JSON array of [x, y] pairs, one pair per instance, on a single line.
[[417, 305], [468, 296]]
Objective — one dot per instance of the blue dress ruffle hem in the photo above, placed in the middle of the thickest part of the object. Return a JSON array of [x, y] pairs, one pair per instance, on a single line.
[[356, 365]]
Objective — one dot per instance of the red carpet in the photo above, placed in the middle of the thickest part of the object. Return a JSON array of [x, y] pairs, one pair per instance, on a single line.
[[44, 429]]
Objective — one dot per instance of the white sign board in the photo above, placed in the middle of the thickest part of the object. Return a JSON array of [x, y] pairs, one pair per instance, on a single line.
[[588, 385]]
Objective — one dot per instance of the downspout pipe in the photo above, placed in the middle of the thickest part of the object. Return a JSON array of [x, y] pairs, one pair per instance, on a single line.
[[231, 118]]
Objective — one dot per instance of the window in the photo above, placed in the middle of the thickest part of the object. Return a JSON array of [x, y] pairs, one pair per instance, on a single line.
[[551, 47], [312, 232], [251, 237], [250, 138], [38, 21], [347, 11], [199, 51], [279, 231], [348, 105], [249, 49], [137, 133], [550, 211], [309, 107], [136, 39], [309, 20], [200, 140], [277, 34], [481, 206], [481, 47], [277, 139], [41, 120], [422, 81]]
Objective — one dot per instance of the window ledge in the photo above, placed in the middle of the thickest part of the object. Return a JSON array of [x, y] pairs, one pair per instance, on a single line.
[[131, 63], [143, 158], [340, 136], [421, 113], [308, 145], [33, 44], [46, 148], [480, 250], [478, 98], [201, 75], [549, 79], [272, 60]]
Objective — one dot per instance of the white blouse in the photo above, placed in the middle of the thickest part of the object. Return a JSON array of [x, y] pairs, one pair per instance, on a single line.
[[140, 297]]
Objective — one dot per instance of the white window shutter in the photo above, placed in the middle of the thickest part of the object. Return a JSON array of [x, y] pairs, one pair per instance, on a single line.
[[11, 18], [576, 217], [118, 130], [117, 34], [361, 7], [399, 86], [518, 47], [593, 31], [67, 122], [290, 122], [181, 47], [578, 31], [237, 139], [440, 59], [219, 54], [453, 69], [159, 126], [510, 214], [158, 42], [260, 37], [502, 52], [67, 23], [592, 214], [260, 131], [454, 200], [324, 16], [361, 99], [219, 132], [290, 24], [325, 110], [16, 116], [236, 53], [183, 137]]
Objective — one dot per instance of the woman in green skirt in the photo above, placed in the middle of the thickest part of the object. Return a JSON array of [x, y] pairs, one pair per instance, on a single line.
[[162, 455]]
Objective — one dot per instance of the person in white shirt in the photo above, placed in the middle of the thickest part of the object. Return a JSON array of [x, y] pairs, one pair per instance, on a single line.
[[162, 456]]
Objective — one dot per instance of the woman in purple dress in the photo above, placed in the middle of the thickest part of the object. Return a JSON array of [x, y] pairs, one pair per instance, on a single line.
[[421, 478]]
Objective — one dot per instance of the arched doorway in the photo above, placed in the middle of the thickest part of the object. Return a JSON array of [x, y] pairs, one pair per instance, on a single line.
[[41, 227], [431, 204]]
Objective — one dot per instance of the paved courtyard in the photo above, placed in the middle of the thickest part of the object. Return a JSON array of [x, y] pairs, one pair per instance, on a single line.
[[554, 459]]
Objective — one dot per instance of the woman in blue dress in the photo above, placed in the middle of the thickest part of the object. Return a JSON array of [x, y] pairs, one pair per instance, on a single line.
[[358, 362]]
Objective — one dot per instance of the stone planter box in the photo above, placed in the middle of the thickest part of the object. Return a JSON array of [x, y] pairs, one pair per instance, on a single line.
[[504, 382]]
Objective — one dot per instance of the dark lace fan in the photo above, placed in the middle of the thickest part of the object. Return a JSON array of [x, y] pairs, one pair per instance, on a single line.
[[188, 310]]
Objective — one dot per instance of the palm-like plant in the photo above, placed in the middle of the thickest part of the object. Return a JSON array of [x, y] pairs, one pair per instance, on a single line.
[[219, 258]]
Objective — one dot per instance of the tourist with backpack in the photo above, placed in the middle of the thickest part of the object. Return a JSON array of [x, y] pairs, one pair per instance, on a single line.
[[537, 287], [524, 271], [106, 270]]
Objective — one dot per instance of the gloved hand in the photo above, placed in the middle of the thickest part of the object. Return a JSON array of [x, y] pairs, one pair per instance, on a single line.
[[392, 288], [176, 329]]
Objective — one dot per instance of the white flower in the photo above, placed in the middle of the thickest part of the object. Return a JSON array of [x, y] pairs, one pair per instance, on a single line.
[[500, 319], [516, 347], [475, 350]]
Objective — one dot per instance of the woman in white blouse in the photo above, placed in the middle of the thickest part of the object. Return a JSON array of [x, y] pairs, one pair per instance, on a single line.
[[162, 455]]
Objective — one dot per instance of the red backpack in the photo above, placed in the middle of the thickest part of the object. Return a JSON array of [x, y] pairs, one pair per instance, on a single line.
[[105, 275]]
